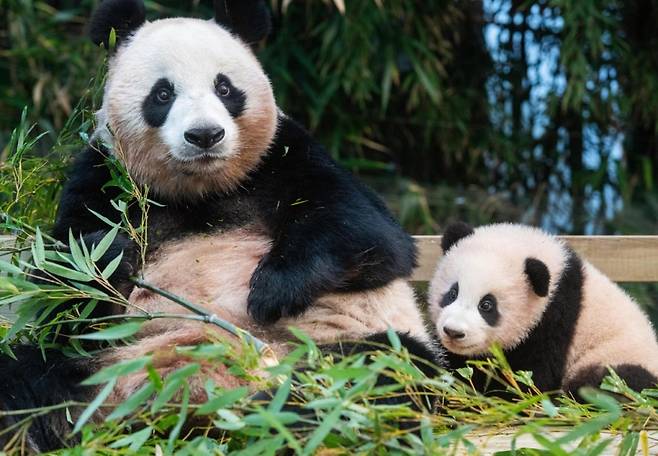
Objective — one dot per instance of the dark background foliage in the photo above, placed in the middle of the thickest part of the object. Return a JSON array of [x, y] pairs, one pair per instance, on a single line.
[[544, 112]]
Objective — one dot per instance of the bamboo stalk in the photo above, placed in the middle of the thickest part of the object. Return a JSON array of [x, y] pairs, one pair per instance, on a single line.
[[261, 346]]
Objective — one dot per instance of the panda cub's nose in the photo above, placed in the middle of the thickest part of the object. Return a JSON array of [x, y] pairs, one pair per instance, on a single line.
[[204, 138], [453, 333]]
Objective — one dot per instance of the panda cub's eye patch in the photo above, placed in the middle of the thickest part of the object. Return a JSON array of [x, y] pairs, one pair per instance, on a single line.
[[233, 98], [158, 103], [488, 308], [450, 296]]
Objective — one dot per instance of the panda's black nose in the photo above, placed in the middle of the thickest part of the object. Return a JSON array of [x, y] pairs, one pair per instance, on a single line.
[[453, 333], [204, 138]]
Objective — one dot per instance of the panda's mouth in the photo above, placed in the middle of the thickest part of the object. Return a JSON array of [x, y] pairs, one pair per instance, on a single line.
[[459, 348], [200, 163], [207, 158]]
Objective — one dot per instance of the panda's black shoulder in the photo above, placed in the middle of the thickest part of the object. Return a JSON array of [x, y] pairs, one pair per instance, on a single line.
[[298, 167], [298, 159], [294, 150]]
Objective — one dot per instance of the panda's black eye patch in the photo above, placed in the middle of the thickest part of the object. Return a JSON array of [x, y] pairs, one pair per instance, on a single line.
[[450, 296], [488, 308], [158, 103], [233, 98]]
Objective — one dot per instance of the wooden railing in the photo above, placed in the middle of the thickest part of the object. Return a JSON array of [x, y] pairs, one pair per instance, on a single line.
[[622, 258]]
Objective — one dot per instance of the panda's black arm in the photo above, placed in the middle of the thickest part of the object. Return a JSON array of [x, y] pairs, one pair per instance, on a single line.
[[83, 193], [329, 233]]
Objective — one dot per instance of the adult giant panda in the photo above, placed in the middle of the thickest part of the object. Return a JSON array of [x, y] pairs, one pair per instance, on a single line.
[[254, 221], [550, 311]]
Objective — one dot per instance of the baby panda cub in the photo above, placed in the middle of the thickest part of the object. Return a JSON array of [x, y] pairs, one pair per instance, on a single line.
[[551, 312]]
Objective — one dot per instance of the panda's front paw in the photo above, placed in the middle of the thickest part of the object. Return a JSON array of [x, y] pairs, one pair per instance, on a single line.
[[276, 292]]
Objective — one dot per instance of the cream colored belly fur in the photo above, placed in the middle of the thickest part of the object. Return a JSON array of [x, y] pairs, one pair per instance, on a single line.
[[214, 272], [611, 330]]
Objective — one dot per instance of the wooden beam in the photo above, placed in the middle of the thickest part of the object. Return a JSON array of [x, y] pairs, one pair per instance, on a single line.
[[622, 258]]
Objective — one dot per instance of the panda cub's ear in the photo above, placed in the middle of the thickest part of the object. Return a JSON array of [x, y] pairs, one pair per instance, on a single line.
[[453, 233], [124, 16], [538, 276], [248, 19]]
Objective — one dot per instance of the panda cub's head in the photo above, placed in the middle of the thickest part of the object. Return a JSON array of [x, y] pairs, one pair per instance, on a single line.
[[492, 285], [187, 107]]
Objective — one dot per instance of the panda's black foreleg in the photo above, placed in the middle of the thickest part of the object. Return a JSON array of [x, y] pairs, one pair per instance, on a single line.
[[32, 383], [324, 256], [285, 288], [636, 377]]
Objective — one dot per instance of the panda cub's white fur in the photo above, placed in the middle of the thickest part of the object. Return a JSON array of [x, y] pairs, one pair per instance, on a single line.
[[564, 320]]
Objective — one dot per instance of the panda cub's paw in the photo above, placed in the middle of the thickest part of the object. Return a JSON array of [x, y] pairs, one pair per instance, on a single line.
[[276, 292]]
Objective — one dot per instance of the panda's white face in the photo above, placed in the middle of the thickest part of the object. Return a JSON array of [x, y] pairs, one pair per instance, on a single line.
[[474, 298], [480, 293], [188, 107]]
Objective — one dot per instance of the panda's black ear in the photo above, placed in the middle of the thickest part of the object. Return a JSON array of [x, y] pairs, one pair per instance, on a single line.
[[538, 276], [124, 16], [453, 233], [249, 19]]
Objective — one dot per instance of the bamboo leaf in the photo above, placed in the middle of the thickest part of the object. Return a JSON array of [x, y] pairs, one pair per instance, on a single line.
[[105, 219], [323, 430], [61, 271], [77, 255], [226, 399], [28, 312], [281, 396], [9, 268], [136, 440], [182, 415], [98, 251], [111, 267], [113, 332], [39, 250], [89, 411], [394, 339], [173, 383], [155, 377], [135, 400], [229, 421], [117, 370]]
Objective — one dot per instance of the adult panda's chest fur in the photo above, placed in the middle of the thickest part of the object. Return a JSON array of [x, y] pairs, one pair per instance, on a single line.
[[205, 252], [212, 270]]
